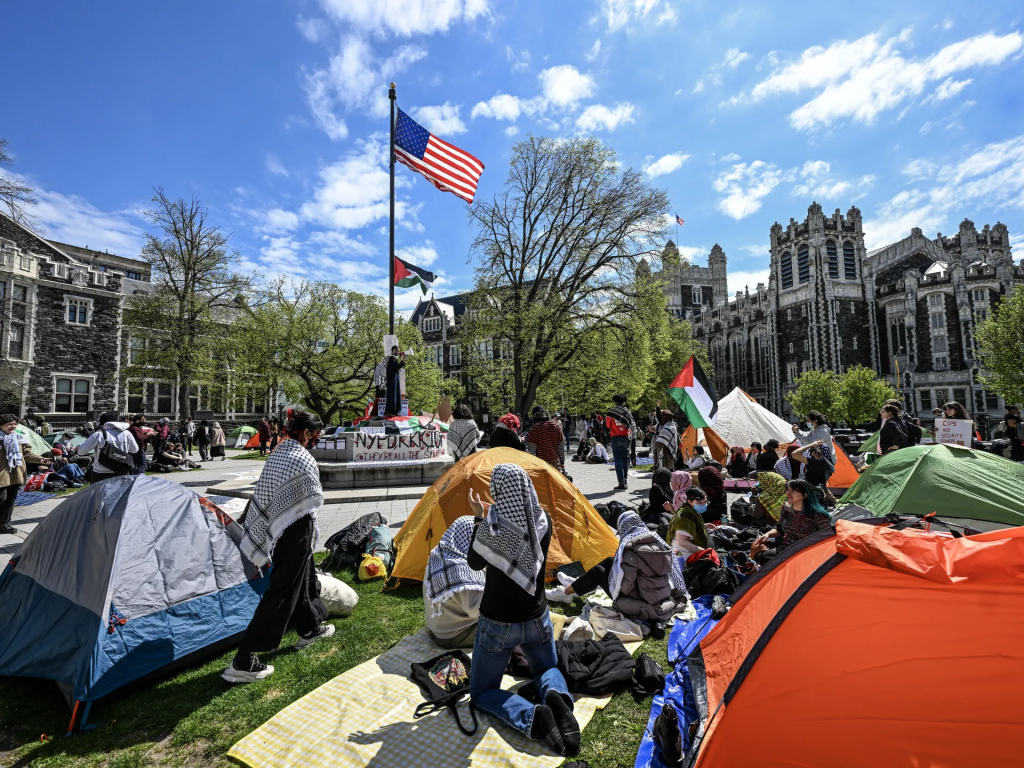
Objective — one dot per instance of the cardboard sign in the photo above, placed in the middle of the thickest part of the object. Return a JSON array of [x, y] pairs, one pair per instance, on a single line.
[[954, 431]]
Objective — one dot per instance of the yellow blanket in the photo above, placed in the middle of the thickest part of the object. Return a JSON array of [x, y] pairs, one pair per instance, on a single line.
[[363, 717]]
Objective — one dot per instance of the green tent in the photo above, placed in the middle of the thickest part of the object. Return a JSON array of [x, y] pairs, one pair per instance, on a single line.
[[871, 443], [237, 432], [953, 481], [33, 438], [53, 437]]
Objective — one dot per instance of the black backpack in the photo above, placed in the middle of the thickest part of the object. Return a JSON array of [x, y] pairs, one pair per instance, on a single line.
[[648, 677], [444, 681], [119, 461]]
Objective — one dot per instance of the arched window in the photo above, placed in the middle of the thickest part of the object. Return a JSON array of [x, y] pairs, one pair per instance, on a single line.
[[803, 265], [696, 295], [849, 261], [833, 259], [786, 267]]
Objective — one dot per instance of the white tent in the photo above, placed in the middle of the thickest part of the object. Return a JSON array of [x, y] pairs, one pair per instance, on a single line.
[[741, 421]]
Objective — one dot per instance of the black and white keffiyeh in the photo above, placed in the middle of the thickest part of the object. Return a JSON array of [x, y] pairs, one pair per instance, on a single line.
[[463, 437], [510, 539], [12, 449], [668, 436], [288, 489], [448, 571], [632, 527], [624, 417]]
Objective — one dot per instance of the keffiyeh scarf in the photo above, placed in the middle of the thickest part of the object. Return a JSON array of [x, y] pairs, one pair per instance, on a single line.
[[12, 448], [668, 436], [632, 527], [624, 417], [773, 493], [463, 437], [448, 571], [510, 539], [288, 489]]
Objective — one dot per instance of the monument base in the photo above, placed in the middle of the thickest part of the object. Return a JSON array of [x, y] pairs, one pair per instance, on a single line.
[[382, 474]]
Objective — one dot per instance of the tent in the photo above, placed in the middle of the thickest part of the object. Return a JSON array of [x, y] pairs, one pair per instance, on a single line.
[[960, 482], [241, 435], [123, 579], [253, 441], [53, 437], [868, 646], [579, 532], [34, 439], [742, 421]]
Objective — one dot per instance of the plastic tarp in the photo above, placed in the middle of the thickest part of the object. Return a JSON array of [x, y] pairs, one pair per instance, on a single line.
[[947, 479], [34, 439]]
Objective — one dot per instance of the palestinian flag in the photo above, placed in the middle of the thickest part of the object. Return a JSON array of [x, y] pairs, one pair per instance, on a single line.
[[695, 395], [407, 275]]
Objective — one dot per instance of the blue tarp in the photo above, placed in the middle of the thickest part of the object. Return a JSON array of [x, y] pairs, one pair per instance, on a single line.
[[678, 692]]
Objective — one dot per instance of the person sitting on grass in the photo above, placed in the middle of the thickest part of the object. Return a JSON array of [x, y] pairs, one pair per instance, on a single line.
[[452, 591], [510, 544], [170, 457], [689, 521], [801, 515]]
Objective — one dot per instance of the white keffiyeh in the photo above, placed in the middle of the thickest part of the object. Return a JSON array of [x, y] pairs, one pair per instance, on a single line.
[[12, 449], [463, 437], [448, 571], [668, 436], [632, 527], [288, 489], [511, 538]]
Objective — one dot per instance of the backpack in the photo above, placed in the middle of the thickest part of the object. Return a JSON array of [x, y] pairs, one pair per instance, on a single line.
[[444, 681], [345, 548], [117, 460], [381, 543], [739, 511], [648, 677]]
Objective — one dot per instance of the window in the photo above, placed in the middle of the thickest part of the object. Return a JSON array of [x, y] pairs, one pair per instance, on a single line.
[[786, 267], [803, 310], [791, 347], [696, 295], [455, 355], [940, 344], [804, 345], [19, 313], [849, 261], [436, 356], [960, 395], [505, 350], [431, 324], [485, 349], [791, 373], [940, 363], [26, 262], [936, 301], [789, 314], [136, 397], [803, 264], [840, 342], [926, 399], [193, 400], [980, 294], [17, 341], [833, 259], [941, 396], [854, 342], [938, 320], [133, 275], [20, 293], [79, 310], [136, 349], [163, 398], [71, 395], [992, 402]]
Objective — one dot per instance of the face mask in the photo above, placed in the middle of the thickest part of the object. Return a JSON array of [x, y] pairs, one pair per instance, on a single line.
[[808, 425], [701, 507]]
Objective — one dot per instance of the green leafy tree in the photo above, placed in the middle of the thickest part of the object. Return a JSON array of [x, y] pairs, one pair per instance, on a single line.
[[1001, 347], [862, 394], [817, 391]]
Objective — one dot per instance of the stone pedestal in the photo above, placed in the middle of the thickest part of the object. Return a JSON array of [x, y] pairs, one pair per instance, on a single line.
[[384, 474]]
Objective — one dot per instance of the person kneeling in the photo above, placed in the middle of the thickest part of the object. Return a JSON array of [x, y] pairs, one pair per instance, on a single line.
[[452, 591], [598, 453]]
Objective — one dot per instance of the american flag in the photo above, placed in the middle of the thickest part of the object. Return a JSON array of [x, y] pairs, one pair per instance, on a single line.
[[444, 165], [679, 220]]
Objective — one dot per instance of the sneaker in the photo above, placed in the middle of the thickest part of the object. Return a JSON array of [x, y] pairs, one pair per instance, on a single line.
[[257, 671], [325, 630], [564, 579], [559, 595]]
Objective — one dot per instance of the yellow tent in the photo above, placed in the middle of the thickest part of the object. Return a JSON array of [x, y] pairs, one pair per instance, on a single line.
[[579, 532]]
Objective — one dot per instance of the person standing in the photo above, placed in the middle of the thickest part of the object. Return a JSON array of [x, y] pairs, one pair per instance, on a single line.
[[817, 429], [137, 429], [510, 544], [566, 428], [892, 436], [275, 433], [622, 428], [263, 430], [203, 440], [666, 442], [506, 433], [14, 455], [463, 434], [545, 439], [218, 440], [280, 529], [188, 434], [111, 432]]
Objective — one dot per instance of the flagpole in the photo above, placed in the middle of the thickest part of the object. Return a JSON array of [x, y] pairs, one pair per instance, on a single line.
[[391, 249]]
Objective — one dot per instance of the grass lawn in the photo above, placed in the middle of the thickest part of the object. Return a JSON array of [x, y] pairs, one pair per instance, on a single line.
[[193, 718]]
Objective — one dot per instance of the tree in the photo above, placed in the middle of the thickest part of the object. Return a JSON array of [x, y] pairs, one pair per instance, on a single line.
[[817, 391], [14, 193], [559, 250], [862, 394], [1001, 347], [186, 321]]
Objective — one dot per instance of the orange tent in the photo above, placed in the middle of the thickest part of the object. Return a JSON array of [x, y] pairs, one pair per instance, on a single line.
[[254, 441], [716, 445], [579, 532], [869, 646]]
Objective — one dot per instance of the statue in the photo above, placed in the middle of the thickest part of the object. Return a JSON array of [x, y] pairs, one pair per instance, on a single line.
[[388, 380]]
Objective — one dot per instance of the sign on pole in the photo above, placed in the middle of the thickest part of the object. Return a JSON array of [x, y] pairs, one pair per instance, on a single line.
[[954, 431]]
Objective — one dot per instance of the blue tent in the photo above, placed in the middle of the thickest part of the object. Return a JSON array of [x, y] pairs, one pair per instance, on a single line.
[[123, 579]]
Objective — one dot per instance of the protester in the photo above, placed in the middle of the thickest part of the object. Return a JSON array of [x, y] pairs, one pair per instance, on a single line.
[[893, 434], [914, 431], [680, 483], [452, 591], [582, 429], [545, 439], [188, 434], [13, 459], [263, 432], [70, 451], [769, 457], [771, 495], [737, 464], [566, 421], [622, 428], [511, 545], [817, 429], [137, 429], [598, 454], [217, 442], [954, 410], [666, 443], [801, 515], [114, 433], [172, 457], [698, 459], [163, 433], [72, 475], [506, 433], [756, 449], [280, 528], [787, 466], [712, 483], [661, 492], [818, 468], [463, 434], [1013, 434], [275, 433], [203, 440], [689, 519]]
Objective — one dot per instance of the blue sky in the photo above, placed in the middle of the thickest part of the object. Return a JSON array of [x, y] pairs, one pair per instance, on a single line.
[[275, 114]]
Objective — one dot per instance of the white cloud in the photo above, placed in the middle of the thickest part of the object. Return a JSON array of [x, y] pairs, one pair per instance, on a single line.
[[274, 165], [501, 106], [404, 17], [734, 57], [920, 169], [947, 23], [519, 61], [442, 120], [732, 157], [745, 186], [699, 86], [618, 13], [860, 79], [565, 86], [421, 255], [599, 117], [756, 250], [511, 131], [739, 281], [73, 220], [819, 184], [666, 164], [279, 220], [949, 88], [595, 49], [313, 30], [992, 177], [668, 16]]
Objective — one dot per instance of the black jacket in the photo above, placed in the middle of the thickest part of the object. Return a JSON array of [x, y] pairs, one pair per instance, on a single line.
[[892, 435], [502, 436], [505, 601], [595, 667]]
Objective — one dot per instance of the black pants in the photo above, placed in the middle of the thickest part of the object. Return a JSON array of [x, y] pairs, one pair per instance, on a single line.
[[186, 444], [7, 496], [594, 578], [263, 447], [292, 594]]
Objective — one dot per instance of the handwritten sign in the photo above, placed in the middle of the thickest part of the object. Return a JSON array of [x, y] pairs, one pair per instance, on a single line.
[[954, 431], [427, 444]]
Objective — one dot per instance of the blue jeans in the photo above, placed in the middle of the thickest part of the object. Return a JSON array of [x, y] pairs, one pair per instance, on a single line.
[[72, 472], [140, 462], [491, 651], [620, 454]]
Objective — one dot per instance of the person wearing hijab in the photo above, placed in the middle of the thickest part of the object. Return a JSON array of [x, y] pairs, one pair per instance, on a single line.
[[767, 459], [14, 455], [510, 544], [666, 442], [217, 442], [801, 515], [737, 464], [712, 483], [661, 492], [771, 496], [788, 467], [680, 484], [506, 433], [452, 591]]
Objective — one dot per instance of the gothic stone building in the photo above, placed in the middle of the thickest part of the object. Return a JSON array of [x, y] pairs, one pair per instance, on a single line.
[[830, 304]]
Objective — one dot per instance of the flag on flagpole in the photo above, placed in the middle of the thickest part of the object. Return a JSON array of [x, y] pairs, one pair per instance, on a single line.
[[679, 220], [444, 165], [695, 395], [407, 275]]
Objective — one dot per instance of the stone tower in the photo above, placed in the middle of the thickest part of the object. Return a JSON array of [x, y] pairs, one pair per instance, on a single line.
[[720, 283]]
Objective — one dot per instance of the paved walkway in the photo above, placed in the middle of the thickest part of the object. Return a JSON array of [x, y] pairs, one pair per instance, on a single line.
[[597, 482]]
